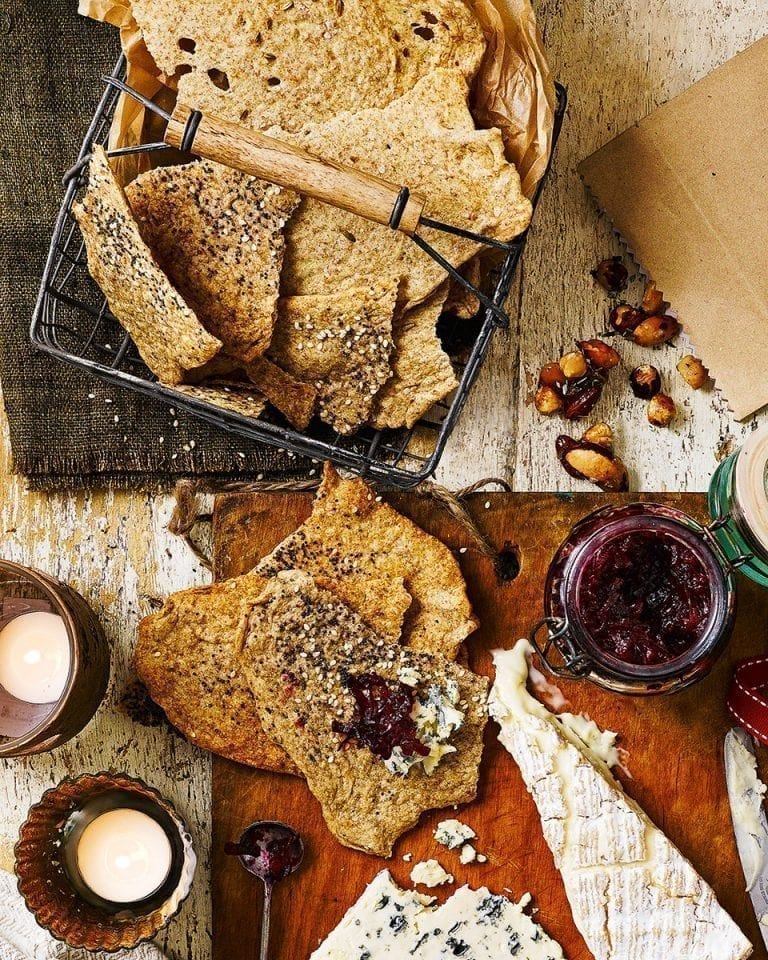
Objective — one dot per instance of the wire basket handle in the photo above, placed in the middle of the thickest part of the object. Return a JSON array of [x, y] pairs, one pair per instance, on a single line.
[[252, 152]]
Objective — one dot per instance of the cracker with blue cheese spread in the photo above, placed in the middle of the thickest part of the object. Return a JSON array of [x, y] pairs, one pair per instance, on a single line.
[[381, 732], [186, 655]]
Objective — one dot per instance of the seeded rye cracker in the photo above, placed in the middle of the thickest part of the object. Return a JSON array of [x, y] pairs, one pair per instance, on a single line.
[[294, 398], [427, 141], [167, 334], [352, 532], [186, 655], [218, 235], [422, 373], [302, 653], [232, 395], [261, 63], [340, 343]]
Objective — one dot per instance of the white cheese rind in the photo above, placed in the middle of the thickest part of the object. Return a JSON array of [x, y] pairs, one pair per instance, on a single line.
[[387, 923], [632, 893]]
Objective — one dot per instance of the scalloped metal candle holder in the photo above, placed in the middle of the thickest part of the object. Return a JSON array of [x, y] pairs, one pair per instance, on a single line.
[[50, 894]]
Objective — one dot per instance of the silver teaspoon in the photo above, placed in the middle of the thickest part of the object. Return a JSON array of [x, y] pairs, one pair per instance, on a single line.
[[271, 851]]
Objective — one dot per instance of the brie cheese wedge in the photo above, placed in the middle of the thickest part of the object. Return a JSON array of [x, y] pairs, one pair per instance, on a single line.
[[634, 896]]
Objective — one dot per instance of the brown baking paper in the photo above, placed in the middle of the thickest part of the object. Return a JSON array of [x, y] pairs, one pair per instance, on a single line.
[[514, 89], [687, 189]]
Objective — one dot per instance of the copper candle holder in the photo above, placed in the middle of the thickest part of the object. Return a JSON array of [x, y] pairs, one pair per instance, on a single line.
[[30, 728], [46, 864]]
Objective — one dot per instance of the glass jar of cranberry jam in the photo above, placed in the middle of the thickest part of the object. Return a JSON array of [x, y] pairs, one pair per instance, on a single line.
[[738, 505], [639, 599]]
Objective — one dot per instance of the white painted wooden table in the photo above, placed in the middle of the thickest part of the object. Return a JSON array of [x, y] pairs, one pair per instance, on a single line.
[[619, 59]]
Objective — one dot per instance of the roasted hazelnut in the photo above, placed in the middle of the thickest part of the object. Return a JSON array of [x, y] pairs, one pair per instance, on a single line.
[[653, 300], [624, 317], [589, 461], [693, 371], [611, 275], [655, 330], [601, 435], [645, 381], [599, 355], [551, 375], [661, 410], [573, 365], [578, 403], [548, 400]]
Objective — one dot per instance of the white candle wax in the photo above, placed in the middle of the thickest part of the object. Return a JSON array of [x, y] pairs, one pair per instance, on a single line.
[[124, 856], [34, 657]]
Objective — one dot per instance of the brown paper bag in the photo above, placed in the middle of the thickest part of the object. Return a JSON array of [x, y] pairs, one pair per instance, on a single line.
[[687, 189]]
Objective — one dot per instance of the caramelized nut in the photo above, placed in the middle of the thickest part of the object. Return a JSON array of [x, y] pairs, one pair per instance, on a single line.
[[693, 371], [611, 274], [548, 400], [655, 330], [645, 381], [551, 375], [579, 403], [624, 317], [589, 461], [599, 354], [573, 365], [661, 410], [601, 435], [653, 300]]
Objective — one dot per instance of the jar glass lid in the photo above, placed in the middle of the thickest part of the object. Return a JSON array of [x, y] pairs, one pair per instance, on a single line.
[[751, 485]]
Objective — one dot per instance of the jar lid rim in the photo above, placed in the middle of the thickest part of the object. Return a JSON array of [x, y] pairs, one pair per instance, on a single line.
[[750, 479]]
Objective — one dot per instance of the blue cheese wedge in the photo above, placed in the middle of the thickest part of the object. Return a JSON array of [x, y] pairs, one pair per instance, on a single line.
[[382, 920], [632, 893], [480, 925], [387, 923]]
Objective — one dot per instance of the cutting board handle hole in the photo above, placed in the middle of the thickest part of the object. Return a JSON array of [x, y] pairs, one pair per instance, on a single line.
[[508, 563]]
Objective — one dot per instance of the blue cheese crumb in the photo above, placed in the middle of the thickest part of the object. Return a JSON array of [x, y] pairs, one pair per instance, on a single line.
[[429, 873], [453, 833], [468, 854]]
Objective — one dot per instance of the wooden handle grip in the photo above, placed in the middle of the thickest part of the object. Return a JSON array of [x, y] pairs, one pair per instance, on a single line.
[[289, 166]]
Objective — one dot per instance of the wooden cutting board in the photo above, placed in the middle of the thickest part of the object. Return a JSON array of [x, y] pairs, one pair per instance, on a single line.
[[675, 743]]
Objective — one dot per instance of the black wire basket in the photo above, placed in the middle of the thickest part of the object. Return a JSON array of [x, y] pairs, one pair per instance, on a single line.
[[72, 322]]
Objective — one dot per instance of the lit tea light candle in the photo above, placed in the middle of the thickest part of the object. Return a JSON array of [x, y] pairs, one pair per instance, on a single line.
[[35, 657], [124, 856]]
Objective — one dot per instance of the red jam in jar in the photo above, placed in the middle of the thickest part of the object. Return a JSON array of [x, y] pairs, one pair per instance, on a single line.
[[639, 599], [645, 597]]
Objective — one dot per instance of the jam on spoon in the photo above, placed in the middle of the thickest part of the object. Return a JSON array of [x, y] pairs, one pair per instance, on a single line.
[[271, 851]]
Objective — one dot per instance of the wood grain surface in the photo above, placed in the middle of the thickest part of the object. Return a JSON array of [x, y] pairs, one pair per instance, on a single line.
[[675, 745], [619, 59]]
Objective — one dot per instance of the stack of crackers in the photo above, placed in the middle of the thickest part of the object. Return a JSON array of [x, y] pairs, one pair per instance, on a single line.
[[257, 668], [244, 294]]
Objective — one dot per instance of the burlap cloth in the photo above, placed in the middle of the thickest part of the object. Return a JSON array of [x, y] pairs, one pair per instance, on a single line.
[[50, 62]]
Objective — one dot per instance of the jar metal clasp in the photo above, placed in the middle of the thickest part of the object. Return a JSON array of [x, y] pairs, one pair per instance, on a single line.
[[572, 663], [721, 525]]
